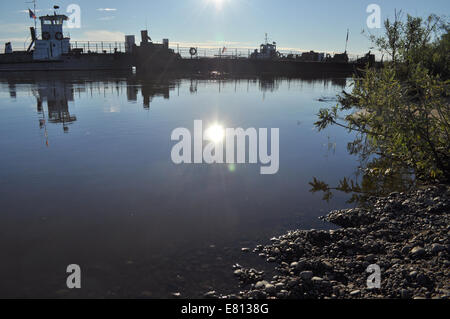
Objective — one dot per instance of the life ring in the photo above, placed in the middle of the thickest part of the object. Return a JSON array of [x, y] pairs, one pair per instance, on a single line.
[[46, 35], [193, 51], [59, 36]]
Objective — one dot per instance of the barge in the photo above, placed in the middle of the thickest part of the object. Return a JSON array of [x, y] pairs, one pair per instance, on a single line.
[[156, 58]]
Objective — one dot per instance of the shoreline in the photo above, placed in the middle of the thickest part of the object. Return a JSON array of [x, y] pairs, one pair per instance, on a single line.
[[405, 234]]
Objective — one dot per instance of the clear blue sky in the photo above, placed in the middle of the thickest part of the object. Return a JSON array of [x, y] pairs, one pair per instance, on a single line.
[[319, 25]]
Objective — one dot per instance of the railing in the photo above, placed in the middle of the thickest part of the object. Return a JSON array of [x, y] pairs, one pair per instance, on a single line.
[[211, 52], [99, 46], [87, 46], [236, 53], [184, 51]]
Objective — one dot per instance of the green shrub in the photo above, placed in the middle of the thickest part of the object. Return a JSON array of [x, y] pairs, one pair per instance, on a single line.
[[401, 112]]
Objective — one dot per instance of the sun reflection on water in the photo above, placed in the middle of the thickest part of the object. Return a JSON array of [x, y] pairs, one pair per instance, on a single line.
[[215, 133]]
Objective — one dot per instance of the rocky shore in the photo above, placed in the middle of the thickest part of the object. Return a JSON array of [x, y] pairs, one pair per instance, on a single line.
[[406, 235]]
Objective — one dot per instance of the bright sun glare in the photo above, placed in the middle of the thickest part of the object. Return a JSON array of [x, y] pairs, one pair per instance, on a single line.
[[215, 133], [218, 3]]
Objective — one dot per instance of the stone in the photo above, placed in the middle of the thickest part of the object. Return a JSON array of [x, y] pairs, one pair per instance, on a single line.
[[270, 289], [210, 295], [423, 279], [238, 272], [306, 275], [418, 252], [176, 295], [261, 284], [437, 248], [355, 293]]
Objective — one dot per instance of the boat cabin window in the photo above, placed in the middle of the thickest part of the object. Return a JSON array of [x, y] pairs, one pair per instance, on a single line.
[[53, 22]]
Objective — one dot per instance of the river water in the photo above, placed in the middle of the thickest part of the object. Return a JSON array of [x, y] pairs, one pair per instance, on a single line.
[[86, 178]]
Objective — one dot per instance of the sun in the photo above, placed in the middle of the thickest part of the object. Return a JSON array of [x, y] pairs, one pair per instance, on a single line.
[[217, 3], [215, 133]]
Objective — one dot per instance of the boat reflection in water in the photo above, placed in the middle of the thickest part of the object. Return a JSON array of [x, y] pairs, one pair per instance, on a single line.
[[56, 91], [57, 95]]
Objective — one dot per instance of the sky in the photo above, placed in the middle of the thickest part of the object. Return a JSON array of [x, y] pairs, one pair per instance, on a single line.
[[293, 24]]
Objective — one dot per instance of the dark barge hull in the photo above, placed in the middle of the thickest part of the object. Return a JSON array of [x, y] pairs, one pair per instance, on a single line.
[[71, 62], [276, 67], [203, 66], [151, 63]]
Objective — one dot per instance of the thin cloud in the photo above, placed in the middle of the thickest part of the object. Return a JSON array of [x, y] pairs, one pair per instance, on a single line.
[[107, 9], [37, 10], [26, 11]]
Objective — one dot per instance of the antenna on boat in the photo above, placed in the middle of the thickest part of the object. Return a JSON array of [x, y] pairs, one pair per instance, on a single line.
[[346, 41]]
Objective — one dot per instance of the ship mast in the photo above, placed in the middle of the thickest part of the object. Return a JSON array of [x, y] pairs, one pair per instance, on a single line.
[[34, 11]]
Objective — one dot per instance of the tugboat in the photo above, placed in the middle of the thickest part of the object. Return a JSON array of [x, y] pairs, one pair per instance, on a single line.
[[53, 52], [268, 51]]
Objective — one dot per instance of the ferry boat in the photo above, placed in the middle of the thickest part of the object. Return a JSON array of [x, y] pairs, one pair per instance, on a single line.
[[53, 52]]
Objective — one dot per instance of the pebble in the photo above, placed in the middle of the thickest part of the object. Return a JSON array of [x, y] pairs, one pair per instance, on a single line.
[[210, 295], [418, 252], [306, 275], [270, 289], [261, 284], [437, 248], [238, 272]]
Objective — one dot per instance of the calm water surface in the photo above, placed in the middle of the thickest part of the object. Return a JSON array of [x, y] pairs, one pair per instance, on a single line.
[[86, 178]]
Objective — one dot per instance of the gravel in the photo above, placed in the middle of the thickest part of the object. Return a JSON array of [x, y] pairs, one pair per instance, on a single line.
[[406, 235]]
